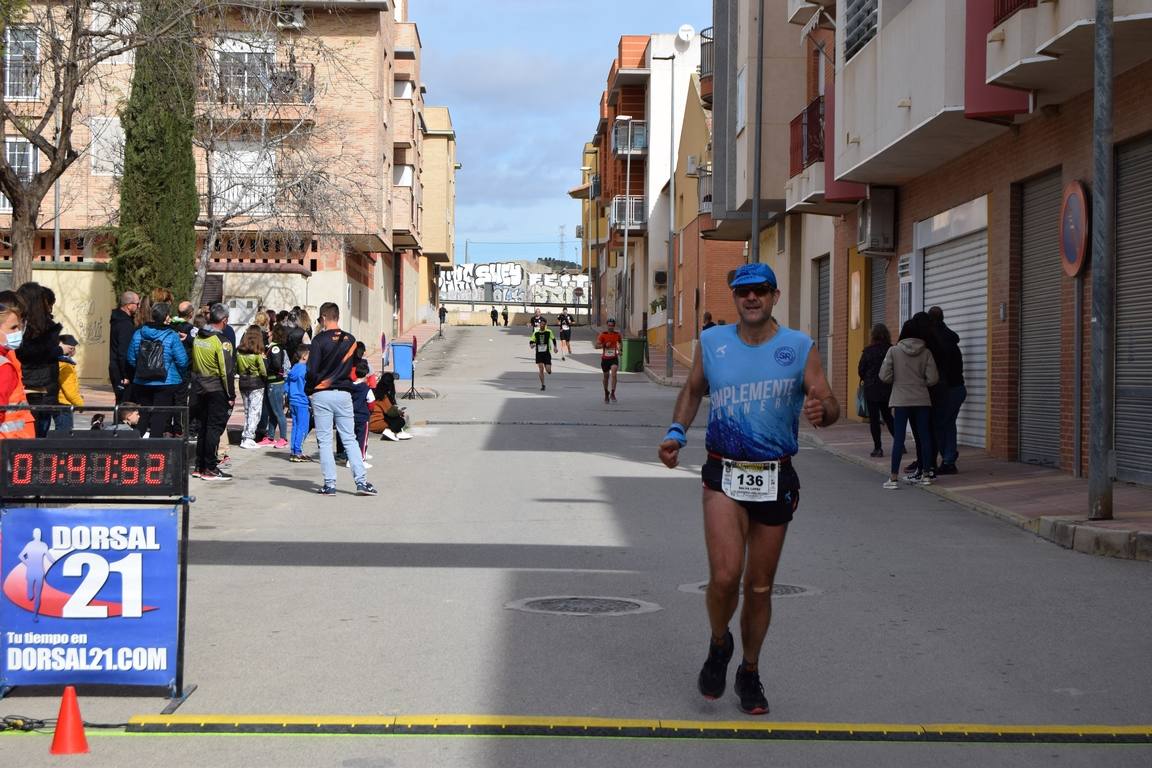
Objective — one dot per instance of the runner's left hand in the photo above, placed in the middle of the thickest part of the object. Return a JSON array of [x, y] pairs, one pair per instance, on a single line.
[[814, 411]]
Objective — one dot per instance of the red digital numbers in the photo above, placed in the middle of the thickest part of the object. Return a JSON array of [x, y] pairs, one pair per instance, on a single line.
[[105, 471], [76, 468], [130, 468], [46, 466], [154, 474], [22, 469]]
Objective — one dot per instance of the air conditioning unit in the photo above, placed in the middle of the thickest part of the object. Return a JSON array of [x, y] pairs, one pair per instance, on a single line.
[[579, 231], [692, 166], [876, 222], [290, 18], [660, 277]]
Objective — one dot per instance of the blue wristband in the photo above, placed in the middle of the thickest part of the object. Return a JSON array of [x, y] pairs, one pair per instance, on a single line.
[[676, 432]]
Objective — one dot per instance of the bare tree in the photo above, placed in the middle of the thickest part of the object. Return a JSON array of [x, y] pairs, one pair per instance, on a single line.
[[56, 55], [267, 168]]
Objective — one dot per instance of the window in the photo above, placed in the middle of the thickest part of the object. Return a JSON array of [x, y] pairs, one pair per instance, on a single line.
[[859, 25], [21, 64], [741, 97], [403, 175], [107, 146], [23, 159], [244, 179], [245, 69], [115, 23], [403, 89]]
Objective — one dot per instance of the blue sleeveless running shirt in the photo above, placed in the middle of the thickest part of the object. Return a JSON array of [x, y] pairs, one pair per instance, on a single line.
[[756, 392]]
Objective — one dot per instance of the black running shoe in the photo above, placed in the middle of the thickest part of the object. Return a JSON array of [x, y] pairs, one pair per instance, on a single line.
[[326, 490], [750, 691], [714, 673]]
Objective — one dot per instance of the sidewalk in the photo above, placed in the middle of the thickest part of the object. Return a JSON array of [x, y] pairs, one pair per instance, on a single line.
[[1048, 502], [656, 367]]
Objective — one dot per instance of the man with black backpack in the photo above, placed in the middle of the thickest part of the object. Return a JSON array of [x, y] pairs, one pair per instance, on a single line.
[[214, 391], [157, 355]]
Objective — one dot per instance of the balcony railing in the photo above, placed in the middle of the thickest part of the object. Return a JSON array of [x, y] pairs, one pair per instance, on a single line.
[[628, 210], [239, 194], [807, 142], [706, 52], [639, 138], [704, 188], [1003, 9], [253, 80]]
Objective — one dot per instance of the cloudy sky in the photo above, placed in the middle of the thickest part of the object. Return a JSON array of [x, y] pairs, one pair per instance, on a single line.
[[522, 79]]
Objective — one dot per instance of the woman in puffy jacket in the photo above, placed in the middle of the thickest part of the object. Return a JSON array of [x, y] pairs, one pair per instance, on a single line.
[[160, 361], [39, 352], [910, 368]]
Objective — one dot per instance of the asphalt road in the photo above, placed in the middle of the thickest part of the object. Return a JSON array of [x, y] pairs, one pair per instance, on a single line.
[[910, 610]]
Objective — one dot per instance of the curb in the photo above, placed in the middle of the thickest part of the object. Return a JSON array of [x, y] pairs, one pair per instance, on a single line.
[[661, 380], [1067, 532]]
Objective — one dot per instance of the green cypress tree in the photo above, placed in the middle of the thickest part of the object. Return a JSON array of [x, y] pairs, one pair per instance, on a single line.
[[156, 242]]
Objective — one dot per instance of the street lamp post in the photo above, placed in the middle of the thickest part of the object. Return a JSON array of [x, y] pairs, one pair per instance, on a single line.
[[627, 119], [587, 170]]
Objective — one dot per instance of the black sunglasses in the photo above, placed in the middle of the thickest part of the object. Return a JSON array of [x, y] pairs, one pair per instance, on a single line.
[[763, 289]]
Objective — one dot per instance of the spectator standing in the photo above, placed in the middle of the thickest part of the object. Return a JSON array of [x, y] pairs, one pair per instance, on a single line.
[[443, 315], [951, 364], [495, 317], [276, 364], [504, 315], [69, 384], [253, 381], [707, 321], [362, 408], [213, 367], [876, 392], [159, 362], [298, 402], [16, 423], [330, 367], [39, 353], [910, 368], [121, 328]]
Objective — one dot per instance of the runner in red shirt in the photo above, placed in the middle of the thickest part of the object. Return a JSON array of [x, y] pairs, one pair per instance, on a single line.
[[610, 343]]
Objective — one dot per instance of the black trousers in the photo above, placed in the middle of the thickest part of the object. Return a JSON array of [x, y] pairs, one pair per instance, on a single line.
[[157, 395], [877, 410], [212, 419]]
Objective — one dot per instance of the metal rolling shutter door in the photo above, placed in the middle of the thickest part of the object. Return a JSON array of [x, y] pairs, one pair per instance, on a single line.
[[1040, 380], [956, 280], [877, 291], [824, 309], [1133, 404]]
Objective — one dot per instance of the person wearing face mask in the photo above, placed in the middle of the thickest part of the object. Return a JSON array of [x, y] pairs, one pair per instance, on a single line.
[[39, 352], [17, 423]]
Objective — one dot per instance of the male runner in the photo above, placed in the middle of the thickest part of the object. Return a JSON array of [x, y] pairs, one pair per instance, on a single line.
[[609, 343], [541, 338], [762, 377], [565, 321]]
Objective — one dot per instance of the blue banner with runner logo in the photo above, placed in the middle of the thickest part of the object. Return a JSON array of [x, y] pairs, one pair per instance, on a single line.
[[88, 596]]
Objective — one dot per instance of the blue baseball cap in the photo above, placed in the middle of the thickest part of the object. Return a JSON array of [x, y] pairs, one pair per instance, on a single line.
[[753, 274]]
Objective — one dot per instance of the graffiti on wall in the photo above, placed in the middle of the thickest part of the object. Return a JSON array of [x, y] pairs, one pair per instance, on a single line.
[[510, 283]]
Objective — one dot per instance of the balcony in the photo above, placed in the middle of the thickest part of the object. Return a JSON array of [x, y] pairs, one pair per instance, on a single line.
[[639, 138], [628, 211], [1048, 47], [704, 190], [801, 12], [706, 65], [1002, 9], [239, 195], [900, 98], [807, 137], [257, 81]]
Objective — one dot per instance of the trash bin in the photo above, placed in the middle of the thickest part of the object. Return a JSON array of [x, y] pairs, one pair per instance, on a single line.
[[632, 355]]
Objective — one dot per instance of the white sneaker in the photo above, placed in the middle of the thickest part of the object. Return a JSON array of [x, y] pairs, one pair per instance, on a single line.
[[367, 457], [367, 465], [390, 435], [403, 436], [249, 444]]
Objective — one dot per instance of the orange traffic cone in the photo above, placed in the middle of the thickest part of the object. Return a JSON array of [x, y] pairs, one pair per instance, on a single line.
[[69, 738]]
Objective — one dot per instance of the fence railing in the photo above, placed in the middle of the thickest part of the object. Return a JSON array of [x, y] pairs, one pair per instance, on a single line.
[[706, 53], [248, 80], [239, 194], [704, 188], [639, 144], [807, 137], [1003, 9], [628, 210]]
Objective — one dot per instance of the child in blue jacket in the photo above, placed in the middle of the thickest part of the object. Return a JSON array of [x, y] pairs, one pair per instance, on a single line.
[[298, 402]]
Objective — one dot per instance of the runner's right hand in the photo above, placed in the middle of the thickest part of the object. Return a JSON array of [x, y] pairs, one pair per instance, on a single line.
[[670, 453]]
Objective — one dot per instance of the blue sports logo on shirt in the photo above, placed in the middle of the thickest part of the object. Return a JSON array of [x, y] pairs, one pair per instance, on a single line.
[[786, 355]]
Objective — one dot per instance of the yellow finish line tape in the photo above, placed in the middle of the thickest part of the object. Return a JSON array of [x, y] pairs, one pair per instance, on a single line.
[[518, 725]]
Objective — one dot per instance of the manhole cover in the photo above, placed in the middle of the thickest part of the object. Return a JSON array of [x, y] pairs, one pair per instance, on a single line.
[[778, 590], [573, 605]]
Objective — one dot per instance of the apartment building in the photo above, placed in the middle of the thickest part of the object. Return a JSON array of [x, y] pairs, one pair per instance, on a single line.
[[968, 126], [641, 111], [309, 150], [439, 175]]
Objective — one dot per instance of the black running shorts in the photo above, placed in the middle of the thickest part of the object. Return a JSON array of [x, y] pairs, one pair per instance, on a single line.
[[565, 335], [777, 512], [544, 357], [608, 363]]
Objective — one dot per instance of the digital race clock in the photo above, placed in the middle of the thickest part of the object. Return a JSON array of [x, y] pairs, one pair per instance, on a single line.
[[91, 466]]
